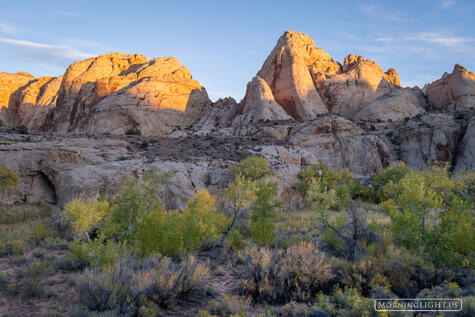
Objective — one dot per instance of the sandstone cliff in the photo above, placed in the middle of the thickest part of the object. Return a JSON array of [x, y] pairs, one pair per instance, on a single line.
[[302, 107]]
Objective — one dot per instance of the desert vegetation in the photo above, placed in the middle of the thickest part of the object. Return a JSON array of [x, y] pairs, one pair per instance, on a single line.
[[405, 233]]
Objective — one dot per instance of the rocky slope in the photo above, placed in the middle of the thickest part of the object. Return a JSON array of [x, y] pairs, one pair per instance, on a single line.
[[301, 107]]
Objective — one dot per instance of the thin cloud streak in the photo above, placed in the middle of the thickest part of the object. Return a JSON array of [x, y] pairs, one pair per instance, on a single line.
[[432, 38], [58, 51]]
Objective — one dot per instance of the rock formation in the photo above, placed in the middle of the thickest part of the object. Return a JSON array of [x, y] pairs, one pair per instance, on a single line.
[[115, 92], [259, 103], [455, 91], [397, 105], [432, 137], [340, 143], [286, 72], [302, 107], [9, 83], [30, 104], [466, 149]]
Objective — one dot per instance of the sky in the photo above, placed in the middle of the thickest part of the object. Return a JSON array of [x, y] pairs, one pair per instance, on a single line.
[[224, 43]]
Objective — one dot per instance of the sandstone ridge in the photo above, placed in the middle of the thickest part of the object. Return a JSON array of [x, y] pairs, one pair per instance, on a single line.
[[115, 115]]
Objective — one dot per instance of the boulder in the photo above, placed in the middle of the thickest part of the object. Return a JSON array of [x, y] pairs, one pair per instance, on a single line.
[[455, 91], [259, 104]]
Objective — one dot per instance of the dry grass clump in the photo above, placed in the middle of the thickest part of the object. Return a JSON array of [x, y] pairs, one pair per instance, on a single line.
[[129, 286], [281, 275]]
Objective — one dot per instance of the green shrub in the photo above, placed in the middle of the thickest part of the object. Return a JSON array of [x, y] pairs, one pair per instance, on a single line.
[[40, 232], [230, 306], [391, 174], [22, 213], [12, 247], [431, 213], [172, 232], [347, 303], [326, 188], [279, 276], [235, 240], [294, 309], [263, 213], [132, 131], [22, 129], [7, 179], [252, 168]]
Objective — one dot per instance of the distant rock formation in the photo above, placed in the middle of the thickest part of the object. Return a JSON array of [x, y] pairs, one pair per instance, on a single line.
[[30, 104], [455, 91], [302, 107], [115, 92], [287, 73]]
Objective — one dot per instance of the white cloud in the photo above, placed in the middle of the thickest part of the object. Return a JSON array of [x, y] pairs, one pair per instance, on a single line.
[[447, 3], [7, 28], [48, 51], [440, 39]]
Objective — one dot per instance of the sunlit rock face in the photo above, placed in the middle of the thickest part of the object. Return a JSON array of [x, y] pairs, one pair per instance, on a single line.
[[287, 73], [116, 92], [259, 103], [360, 82], [30, 104], [455, 91], [306, 82], [9, 83]]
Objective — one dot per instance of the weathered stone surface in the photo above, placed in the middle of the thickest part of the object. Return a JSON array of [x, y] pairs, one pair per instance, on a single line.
[[465, 159], [215, 117], [29, 105], [340, 143], [259, 104], [361, 82], [286, 72], [432, 137], [25, 159], [115, 92], [398, 105], [9, 83], [455, 91]]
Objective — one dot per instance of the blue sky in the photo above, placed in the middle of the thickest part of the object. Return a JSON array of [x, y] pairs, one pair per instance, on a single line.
[[224, 43]]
